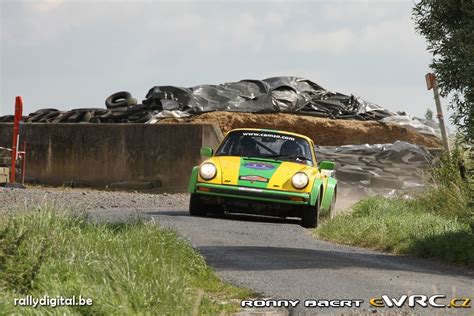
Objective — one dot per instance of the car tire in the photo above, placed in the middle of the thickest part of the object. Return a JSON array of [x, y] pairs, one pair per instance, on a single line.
[[217, 210], [122, 99], [310, 216], [196, 206]]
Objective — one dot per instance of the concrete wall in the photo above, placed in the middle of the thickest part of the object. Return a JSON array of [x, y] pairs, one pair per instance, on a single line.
[[140, 156], [4, 175]]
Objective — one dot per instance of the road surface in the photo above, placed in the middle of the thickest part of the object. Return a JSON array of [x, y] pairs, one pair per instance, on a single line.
[[283, 260]]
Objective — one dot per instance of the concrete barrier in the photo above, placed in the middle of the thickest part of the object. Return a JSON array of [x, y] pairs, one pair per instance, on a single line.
[[131, 156], [4, 175]]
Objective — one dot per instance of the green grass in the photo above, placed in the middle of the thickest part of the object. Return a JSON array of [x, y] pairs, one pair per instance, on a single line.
[[126, 268], [438, 223], [402, 226]]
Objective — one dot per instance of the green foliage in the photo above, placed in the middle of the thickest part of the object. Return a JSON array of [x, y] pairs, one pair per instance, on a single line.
[[429, 114], [402, 226], [126, 268], [448, 26], [450, 194]]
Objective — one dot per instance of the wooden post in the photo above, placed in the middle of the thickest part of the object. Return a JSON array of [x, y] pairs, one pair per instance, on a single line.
[[432, 83]]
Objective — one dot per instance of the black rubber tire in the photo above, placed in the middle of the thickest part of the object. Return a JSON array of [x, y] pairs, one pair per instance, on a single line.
[[216, 210], [196, 206], [310, 216], [140, 118], [39, 115], [7, 118], [120, 110], [87, 116], [62, 118], [43, 111], [122, 99], [48, 118], [35, 118], [75, 117]]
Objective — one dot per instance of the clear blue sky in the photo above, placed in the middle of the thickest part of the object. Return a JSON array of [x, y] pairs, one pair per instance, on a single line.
[[70, 54]]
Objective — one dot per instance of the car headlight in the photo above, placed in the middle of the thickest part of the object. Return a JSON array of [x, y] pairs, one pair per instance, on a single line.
[[207, 171], [300, 180]]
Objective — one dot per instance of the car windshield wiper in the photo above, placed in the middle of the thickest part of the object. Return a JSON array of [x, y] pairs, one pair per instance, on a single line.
[[290, 156]]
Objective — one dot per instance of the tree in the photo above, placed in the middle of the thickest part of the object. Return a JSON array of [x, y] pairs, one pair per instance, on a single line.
[[448, 26], [429, 115]]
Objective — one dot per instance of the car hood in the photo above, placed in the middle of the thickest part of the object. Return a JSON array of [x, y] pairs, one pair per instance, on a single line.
[[261, 172]]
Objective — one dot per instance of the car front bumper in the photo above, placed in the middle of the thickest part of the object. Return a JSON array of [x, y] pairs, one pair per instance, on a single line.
[[257, 194]]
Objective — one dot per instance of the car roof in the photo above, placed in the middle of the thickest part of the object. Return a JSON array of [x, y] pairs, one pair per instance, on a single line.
[[270, 130]]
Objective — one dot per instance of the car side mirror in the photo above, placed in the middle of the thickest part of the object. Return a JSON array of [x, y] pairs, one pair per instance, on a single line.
[[326, 165], [206, 151]]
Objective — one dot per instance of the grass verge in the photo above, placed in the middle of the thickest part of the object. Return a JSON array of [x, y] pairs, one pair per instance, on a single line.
[[438, 223], [404, 227], [125, 268]]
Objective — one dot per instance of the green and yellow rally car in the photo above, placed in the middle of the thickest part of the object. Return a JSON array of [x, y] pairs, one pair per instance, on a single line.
[[264, 172]]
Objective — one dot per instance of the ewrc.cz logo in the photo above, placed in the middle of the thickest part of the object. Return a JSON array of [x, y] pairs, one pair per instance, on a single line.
[[437, 301]]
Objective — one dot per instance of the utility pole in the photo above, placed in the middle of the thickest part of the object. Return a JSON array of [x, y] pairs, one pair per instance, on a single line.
[[432, 83]]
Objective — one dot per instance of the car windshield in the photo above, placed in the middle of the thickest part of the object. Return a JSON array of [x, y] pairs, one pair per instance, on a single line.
[[266, 144]]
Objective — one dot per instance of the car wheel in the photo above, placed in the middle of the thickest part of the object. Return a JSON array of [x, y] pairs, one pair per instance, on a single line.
[[310, 216], [196, 206]]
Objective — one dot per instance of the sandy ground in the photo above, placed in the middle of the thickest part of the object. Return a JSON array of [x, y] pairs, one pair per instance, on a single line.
[[323, 131]]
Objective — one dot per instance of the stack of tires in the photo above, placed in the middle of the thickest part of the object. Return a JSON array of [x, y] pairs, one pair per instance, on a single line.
[[121, 107]]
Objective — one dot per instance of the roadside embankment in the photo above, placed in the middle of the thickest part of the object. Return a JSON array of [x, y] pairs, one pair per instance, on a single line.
[[131, 267]]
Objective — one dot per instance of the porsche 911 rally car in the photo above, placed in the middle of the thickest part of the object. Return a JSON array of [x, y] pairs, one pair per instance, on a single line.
[[264, 172]]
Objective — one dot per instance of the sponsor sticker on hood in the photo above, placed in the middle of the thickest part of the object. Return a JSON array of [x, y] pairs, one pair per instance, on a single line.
[[259, 166], [253, 178]]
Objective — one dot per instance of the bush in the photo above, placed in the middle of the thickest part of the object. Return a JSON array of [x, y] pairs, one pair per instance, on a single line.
[[450, 194]]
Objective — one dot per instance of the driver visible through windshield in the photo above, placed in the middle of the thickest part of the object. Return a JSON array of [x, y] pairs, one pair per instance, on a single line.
[[266, 145]]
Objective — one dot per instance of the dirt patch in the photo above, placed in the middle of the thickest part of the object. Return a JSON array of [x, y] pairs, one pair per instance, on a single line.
[[324, 131]]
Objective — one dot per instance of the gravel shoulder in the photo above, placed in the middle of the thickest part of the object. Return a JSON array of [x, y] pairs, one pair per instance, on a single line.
[[88, 199]]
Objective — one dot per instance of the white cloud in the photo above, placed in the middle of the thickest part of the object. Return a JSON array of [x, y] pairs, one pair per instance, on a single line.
[[46, 20], [357, 11], [389, 37], [46, 5]]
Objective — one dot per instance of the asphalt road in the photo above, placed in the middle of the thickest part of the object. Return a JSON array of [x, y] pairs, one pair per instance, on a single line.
[[282, 260]]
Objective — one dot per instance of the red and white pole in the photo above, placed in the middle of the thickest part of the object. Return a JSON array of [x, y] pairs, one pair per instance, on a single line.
[[16, 136]]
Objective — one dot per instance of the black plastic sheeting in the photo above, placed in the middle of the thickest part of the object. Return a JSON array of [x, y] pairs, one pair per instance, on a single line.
[[272, 95], [278, 94], [380, 169]]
